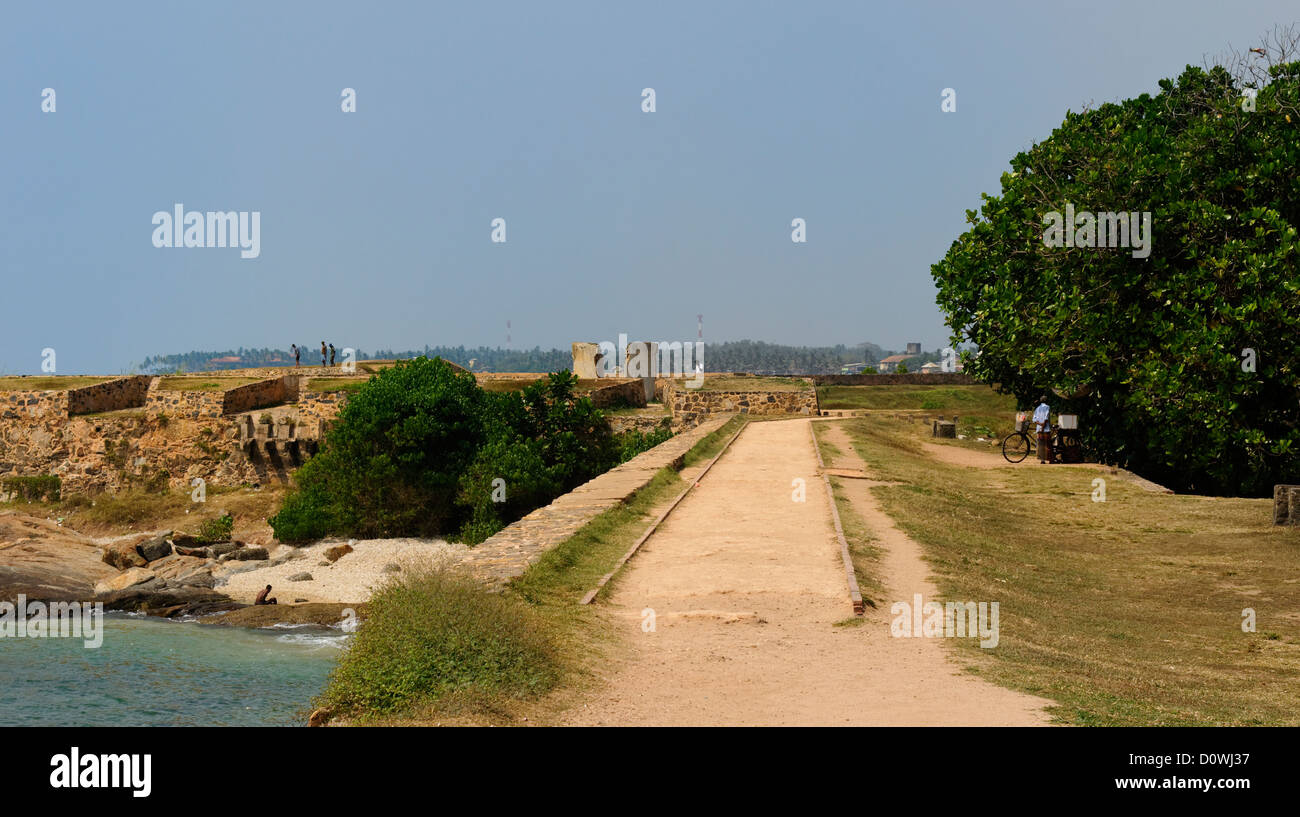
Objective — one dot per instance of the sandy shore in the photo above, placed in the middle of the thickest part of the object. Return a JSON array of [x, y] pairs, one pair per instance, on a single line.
[[350, 580]]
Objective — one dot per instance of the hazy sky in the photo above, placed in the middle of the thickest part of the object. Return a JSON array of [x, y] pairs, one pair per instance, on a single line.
[[376, 225]]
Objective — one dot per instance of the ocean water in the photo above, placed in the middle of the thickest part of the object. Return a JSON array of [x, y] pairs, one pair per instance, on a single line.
[[152, 672]]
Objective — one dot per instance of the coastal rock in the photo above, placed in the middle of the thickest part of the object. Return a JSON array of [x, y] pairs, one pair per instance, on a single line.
[[324, 563], [318, 717], [123, 556], [154, 549], [185, 540], [169, 602], [201, 552], [245, 554], [222, 548], [129, 578], [338, 552], [300, 577], [53, 563]]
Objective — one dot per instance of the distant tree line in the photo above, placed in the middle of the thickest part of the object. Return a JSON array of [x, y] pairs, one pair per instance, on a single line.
[[732, 356]]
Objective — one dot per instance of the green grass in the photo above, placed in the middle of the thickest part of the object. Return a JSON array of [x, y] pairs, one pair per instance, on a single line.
[[182, 383], [753, 383], [708, 447], [62, 383], [1125, 612], [864, 554], [961, 399], [334, 384], [429, 634]]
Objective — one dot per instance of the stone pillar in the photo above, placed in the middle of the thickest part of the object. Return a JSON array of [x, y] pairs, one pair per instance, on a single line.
[[1286, 504]]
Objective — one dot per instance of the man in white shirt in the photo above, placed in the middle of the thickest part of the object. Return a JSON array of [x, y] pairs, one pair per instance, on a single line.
[[1041, 415]]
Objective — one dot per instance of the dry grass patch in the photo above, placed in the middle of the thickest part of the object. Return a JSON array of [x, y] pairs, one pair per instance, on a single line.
[[1126, 612]]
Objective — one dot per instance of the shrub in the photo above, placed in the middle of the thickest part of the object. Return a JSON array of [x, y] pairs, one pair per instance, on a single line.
[[430, 633], [36, 488], [416, 450], [217, 530], [631, 443]]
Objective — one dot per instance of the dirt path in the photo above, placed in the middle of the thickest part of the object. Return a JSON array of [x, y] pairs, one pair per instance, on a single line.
[[746, 587]]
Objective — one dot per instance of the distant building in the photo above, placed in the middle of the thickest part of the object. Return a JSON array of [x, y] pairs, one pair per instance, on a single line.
[[853, 368], [913, 349], [931, 368], [890, 363]]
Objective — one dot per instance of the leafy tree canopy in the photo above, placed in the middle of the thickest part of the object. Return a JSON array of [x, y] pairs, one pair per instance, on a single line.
[[1150, 351]]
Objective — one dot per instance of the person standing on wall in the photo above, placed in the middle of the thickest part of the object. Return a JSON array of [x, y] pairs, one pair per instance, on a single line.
[[297, 356], [1041, 415], [331, 355], [322, 354]]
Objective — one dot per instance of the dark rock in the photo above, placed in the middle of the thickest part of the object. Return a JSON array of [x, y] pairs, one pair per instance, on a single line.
[[246, 554], [201, 552], [391, 568], [300, 577], [155, 549], [186, 540], [152, 597], [222, 548]]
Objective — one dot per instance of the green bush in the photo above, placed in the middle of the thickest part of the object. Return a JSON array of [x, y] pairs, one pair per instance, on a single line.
[[631, 443], [217, 530], [416, 451], [431, 633], [36, 488]]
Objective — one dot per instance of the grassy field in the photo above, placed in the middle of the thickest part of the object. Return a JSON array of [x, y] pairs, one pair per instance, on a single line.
[[331, 384], [982, 411], [185, 383], [753, 383], [1127, 611], [48, 383]]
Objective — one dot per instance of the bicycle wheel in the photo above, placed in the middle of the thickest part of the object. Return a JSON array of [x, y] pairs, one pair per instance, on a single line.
[[1015, 447]]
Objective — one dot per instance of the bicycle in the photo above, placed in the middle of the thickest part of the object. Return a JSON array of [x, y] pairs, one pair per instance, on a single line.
[[1020, 444]]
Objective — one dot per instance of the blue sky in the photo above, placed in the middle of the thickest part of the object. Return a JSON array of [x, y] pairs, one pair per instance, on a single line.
[[375, 225]]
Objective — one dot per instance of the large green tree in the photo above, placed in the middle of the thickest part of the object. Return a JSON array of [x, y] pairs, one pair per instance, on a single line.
[[1154, 353]]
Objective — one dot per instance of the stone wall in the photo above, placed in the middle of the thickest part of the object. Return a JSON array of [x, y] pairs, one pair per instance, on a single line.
[[191, 405], [625, 393], [113, 395], [33, 405], [260, 395], [690, 407], [317, 410], [909, 379]]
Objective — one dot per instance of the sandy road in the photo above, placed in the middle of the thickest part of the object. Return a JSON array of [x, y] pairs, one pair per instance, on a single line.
[[746, 585]]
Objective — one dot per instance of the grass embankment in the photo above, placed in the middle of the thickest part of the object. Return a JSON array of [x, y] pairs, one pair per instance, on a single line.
[[439, 648], [982, 411], [205, 383], [61, 383], [864, 554], [753, 383], [1127, 611], [333, 384]]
